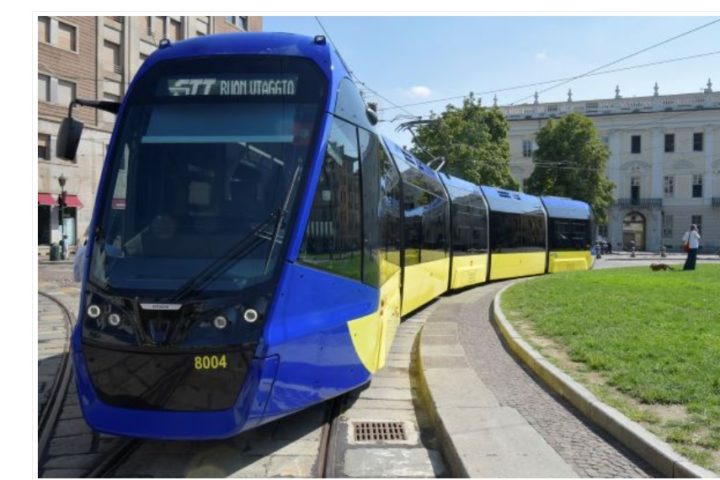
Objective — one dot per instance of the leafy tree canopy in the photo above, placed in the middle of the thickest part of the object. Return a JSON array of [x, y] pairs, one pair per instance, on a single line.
[[472, 140], [570, 161]]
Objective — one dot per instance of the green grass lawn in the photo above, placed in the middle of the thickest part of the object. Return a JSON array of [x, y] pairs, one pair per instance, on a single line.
[[652, 338]]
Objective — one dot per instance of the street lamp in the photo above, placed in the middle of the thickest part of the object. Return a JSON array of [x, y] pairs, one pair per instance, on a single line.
[[61, 205]]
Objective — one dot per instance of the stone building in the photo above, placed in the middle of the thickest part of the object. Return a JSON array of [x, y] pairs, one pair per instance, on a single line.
[[94, 58], [664, 162]]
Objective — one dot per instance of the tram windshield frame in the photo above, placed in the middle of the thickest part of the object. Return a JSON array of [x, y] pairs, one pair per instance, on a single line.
[[209, 152]]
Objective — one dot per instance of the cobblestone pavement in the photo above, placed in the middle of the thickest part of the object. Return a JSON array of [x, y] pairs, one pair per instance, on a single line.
[[53, 343], [587, 449], [73, 449]]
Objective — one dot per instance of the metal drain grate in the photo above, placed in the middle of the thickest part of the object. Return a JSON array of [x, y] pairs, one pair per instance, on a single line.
[[379, 431]]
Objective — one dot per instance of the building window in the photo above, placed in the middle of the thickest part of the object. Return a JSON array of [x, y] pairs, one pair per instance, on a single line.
[[697, 191], [44, 29], [203, 25], [67, 37], [527, 147], [175, 31], [240, 22], [635, 145], [698, 142], [667, 226], [158, 27], [44, 146], [635, 188], [44, 225], [669, 185], [669, 142], [43, 88], [605, 140], [65, 92], [111, 57]]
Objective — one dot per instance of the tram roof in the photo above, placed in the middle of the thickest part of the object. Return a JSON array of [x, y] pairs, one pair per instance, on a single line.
[[460, 184], [561, 207], [399, 152], [254, 43], [508, 201]]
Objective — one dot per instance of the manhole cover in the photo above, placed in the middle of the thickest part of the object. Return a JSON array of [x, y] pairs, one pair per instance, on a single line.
[[379, 431]]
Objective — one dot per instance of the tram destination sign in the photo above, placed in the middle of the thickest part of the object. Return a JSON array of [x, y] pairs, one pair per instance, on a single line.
[[231, 86]]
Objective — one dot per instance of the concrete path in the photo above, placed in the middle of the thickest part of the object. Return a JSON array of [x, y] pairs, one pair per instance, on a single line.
[[502, 421]]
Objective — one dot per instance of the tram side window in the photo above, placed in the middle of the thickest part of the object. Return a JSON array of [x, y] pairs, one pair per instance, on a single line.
[[514, 232], [425, 221], [389, 213], [370, 173], [566, 234], [333, 238], [469, 225]]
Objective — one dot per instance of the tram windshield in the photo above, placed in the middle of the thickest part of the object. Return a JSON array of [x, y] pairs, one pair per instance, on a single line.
[[207, 155]]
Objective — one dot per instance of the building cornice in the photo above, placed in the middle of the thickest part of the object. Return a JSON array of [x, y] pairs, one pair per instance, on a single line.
[[617, 106]]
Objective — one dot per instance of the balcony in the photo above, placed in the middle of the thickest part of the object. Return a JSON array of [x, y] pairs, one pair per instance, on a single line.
[[716, 201], [639, 202]]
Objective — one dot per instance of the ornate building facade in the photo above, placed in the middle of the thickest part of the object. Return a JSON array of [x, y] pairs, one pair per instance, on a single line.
[[664, 162]]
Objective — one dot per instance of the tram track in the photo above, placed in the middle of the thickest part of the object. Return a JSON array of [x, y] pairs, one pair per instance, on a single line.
[[326, 455], [108, 464], [52, 408]]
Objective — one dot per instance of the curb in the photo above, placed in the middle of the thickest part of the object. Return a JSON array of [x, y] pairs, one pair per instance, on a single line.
[[447, 446], [656, 452]]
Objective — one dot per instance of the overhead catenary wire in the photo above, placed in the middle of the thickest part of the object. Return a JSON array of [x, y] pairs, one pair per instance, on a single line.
[[366, 86], [545, 82], [601, 67]]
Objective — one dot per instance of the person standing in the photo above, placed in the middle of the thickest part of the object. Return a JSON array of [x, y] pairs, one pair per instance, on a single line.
[[692, 239]]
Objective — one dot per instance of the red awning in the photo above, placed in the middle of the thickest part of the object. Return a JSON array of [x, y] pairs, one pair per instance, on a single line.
[[73, 201], [46, 199]]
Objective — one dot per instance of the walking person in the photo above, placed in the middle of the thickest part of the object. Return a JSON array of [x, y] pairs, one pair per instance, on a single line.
[[691, 243]]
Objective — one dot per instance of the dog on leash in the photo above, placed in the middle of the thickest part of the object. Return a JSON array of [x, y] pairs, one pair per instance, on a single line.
[[660, 266]]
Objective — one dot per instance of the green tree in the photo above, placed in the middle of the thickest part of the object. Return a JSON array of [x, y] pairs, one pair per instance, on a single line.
[[570, 161], [472, 140]]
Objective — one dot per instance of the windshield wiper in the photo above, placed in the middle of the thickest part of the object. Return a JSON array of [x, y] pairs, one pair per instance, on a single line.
[[223, 263], [281, 219], [245, 246]]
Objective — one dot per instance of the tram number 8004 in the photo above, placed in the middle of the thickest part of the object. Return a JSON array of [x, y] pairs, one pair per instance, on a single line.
[[210, 362]]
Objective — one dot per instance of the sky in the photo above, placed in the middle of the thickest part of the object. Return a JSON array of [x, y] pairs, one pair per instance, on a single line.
[[410, 59]]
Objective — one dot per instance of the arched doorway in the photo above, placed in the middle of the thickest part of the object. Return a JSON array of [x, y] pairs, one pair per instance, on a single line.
[[634, 230]]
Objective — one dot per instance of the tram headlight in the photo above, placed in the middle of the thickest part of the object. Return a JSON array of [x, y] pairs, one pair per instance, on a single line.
[[220, 322], [114, 319], [93, 311], [250, 315]]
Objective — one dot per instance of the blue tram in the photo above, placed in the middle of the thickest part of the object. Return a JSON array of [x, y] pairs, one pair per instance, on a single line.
[[255, 243]]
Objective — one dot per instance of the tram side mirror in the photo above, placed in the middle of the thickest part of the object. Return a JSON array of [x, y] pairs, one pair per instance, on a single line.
[[69, 138], [372, 116]]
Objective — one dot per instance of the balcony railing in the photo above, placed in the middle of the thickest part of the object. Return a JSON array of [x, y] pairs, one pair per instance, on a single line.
[[716, 201], [639, 202]]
